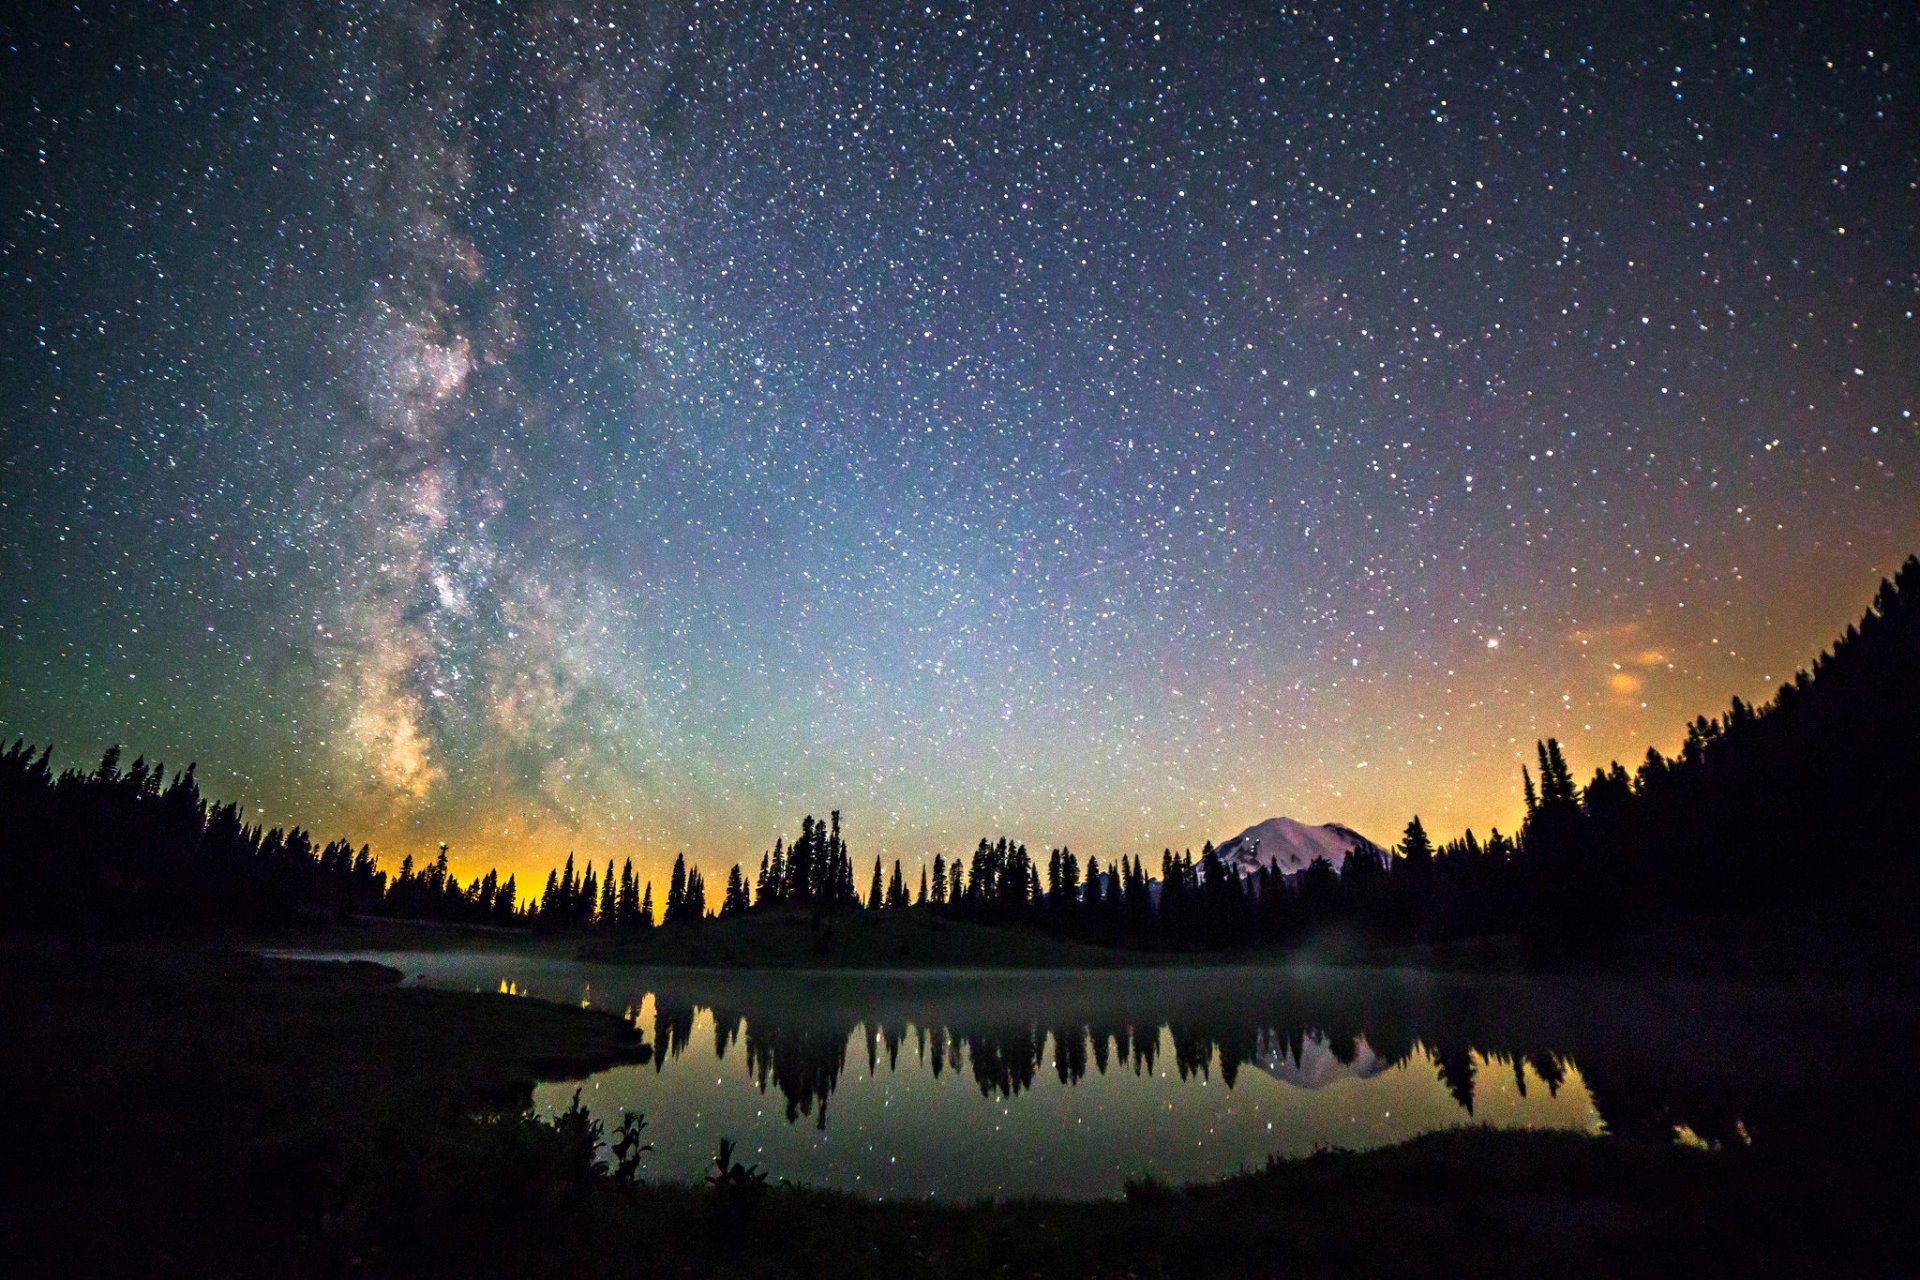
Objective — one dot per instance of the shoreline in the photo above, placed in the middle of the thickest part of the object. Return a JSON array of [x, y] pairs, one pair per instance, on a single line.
[[294, 1116]]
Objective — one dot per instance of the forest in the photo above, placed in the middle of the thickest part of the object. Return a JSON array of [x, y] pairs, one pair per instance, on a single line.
[[1742, 816]]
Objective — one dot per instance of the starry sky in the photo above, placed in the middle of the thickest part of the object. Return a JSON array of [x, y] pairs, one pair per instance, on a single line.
[[625, 428]]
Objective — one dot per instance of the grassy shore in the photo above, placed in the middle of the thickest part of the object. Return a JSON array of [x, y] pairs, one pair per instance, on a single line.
[[192, 1111], [788, 937], [797, 938]]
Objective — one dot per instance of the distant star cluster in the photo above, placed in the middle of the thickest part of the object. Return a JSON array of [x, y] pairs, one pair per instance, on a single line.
[[623, 428]]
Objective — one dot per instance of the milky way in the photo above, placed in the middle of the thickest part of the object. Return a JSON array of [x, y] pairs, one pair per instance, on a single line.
[[626, 428]]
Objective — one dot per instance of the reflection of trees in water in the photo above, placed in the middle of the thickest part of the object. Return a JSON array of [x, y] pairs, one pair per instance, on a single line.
[[672, 1030], [802, 1059], [1070, 1054], [726, 1030], [804, 1065], [1454, 1063], [1632, 1103], [1552, 1072], [1004, 1062]]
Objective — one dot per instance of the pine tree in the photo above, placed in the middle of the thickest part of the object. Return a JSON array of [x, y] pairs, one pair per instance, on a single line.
[[840, 888], [1416, 849], [677, 891], [800, 860], [628, 907]]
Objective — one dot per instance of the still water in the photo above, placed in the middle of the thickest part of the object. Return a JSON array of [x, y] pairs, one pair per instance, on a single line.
[[963, 1085]]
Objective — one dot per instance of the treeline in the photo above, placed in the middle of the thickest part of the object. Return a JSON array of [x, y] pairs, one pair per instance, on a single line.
[[1760, 804], [816, 869], [132, 845]]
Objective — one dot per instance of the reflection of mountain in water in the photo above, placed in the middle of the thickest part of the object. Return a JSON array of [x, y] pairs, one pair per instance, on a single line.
[[1314, 1061]]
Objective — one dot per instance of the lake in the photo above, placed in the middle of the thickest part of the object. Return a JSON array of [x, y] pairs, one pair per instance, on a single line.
[[964, 1085]]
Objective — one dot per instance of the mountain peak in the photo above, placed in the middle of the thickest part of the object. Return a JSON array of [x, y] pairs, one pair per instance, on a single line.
[[1291, 845]]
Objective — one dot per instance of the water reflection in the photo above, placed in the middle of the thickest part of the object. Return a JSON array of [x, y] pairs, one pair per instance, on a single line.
[[969, 1085], [803, 1062], [964, 1085]]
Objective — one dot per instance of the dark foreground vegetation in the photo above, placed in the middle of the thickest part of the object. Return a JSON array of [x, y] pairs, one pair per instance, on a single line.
[[191, 1112]]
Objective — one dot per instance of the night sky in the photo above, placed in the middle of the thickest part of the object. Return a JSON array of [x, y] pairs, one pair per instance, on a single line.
[[627, 428]]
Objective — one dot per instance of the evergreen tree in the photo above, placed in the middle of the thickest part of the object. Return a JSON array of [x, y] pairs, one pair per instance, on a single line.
[[627, 909], [1416, 849], [800, 860], [677, 891]]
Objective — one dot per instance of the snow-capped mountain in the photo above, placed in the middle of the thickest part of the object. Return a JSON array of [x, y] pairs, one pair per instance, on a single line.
[[1291, 846]]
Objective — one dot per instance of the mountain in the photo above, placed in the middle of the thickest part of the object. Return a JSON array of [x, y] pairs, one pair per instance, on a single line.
[[1291, 845]]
